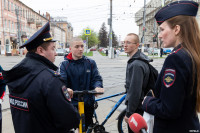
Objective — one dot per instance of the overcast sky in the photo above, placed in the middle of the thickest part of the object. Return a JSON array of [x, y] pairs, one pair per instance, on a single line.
[[92, 13]]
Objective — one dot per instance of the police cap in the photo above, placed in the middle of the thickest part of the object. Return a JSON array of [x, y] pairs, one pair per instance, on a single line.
[[188, 8], [39, 38]]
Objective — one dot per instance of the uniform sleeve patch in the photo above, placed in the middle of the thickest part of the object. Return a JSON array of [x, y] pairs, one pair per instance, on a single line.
[[1, 76], [169, 77], [19, 103], [65, 93]]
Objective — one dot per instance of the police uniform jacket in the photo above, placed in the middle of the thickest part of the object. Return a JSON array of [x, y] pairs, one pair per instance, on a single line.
[[80, 75], [2, 84], [137, 75], [174, 103], [38, 104]]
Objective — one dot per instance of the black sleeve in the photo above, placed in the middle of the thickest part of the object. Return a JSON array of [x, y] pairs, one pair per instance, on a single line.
[[64, 114], [2, 83], [135, 89], [169, 104]]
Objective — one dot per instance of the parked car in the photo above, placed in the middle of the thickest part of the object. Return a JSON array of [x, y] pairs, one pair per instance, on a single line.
[[66, 50], [93, 49], [152, 51], [60, 52], [145, 48], [167, 50]]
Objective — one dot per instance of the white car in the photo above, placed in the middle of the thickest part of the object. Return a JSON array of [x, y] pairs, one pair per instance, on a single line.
[[152, 51], [60, 52]]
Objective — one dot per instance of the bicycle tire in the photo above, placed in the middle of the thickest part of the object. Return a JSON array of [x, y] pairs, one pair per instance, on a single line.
[[121, 124]]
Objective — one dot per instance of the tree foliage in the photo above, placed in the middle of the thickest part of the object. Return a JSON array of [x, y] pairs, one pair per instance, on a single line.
[[92, 39], [114, 40], [103, 36]]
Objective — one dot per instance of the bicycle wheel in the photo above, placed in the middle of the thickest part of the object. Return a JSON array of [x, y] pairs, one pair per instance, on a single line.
[[121, 124]]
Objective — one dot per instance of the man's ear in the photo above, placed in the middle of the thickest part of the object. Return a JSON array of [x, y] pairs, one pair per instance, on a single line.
[[177, 29], [39, 50], [70, 48], [138, 44]]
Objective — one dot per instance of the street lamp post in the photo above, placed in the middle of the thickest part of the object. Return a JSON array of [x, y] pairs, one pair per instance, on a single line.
[[110, 34], [144, 18]]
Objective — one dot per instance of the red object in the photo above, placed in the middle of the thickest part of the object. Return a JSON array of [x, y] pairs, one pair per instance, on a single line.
[[136, 123], [69, 56]]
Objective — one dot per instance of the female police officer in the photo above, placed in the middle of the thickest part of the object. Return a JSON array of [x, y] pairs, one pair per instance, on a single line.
[[177, 93]]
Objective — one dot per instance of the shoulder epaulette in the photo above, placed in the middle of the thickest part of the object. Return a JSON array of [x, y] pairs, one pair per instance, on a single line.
[[55, 73]]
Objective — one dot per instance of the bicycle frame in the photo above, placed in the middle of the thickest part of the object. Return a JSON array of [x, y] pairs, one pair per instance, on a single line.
[[114, 108], [82, 114], [81, 109]]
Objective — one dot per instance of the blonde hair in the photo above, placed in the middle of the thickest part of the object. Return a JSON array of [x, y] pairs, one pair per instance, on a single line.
[[136, 37], [190, 35], [75, 39]]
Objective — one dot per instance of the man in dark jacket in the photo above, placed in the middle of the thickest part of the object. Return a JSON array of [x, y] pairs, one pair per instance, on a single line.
[[137, 75], [2, 93], [39, 100], [81, 73]]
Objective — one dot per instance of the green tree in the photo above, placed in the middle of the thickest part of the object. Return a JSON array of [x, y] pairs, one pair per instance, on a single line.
[[103, 36], [114, 40], [92, 39]]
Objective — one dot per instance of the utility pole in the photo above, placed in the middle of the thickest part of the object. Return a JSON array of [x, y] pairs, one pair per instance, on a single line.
[[110, 34], [86, 45], [119, 43], [144, 18], [19, 31]]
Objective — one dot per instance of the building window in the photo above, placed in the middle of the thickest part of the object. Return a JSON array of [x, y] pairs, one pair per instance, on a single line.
[[11, 6], [5, 23], [4, 4], [9, 25], [7, 41], [8, 5], [12, 26]]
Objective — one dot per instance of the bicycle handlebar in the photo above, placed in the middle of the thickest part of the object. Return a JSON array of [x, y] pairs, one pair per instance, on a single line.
[[85, 92]]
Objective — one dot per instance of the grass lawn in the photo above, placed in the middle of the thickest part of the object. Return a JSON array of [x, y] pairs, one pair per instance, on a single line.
[[156, 56], [88, 54], [103, 54]]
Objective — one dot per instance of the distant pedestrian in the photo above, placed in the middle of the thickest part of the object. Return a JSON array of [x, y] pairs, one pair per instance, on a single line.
[[2, 94], [137, 76], [115, 53], [39, 99], [161, 52], [177, 91], [118, 52], [106, 52]]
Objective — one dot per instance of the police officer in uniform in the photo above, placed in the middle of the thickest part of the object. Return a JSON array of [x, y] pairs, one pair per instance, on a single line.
[[39, 99], [2, 94], [177, 94]]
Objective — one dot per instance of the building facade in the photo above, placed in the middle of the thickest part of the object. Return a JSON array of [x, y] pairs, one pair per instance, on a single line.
[[18, 23], [150, 30], [62, 22], [58, 34]]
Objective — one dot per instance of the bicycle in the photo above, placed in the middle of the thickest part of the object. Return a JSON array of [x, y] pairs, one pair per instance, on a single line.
[[96, 127]]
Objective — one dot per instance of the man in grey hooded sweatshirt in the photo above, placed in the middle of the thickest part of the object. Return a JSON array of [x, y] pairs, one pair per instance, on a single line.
[[137, 75]]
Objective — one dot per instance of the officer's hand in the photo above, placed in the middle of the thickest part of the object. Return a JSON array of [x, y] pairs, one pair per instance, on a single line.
[[126, 119], [70, 91], [97, 89]]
